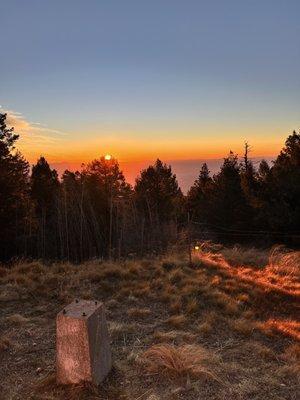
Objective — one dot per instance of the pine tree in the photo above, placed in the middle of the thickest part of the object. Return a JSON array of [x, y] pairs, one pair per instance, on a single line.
[[229, 208], [158, 192], [14, 200], [198, 197], [263, 171], [106, 192], [250, 187], [159, 201], [284, 188], [45, 189]]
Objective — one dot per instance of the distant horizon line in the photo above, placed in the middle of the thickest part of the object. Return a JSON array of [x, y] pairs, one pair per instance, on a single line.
[[151, 160], [186, 171]]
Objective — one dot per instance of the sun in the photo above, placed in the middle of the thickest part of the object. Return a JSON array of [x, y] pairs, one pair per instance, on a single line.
[[107, 157]]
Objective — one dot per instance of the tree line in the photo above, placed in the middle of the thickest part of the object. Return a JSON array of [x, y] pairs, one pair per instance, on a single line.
[[95, 213]]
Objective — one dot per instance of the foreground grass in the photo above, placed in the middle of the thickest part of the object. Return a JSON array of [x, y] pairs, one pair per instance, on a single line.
[[224, 327]]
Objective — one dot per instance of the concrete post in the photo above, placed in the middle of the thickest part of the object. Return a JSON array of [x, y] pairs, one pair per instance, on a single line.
[[82, 343]]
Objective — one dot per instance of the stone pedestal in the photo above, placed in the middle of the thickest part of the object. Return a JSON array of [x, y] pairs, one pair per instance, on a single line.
[[82, 343]]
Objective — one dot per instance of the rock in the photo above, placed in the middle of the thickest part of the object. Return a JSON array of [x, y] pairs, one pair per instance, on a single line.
[[82, 343]]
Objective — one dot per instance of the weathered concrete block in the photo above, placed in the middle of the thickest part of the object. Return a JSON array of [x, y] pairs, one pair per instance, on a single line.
[[82, 343]]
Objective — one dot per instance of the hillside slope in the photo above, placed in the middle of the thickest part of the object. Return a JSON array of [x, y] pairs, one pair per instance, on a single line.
[[224, 327]]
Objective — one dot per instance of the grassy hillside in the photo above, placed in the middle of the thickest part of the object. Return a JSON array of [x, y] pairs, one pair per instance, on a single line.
[[222, 328]]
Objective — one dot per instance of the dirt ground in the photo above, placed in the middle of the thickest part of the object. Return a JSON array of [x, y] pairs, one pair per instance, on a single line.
[[210, 330]]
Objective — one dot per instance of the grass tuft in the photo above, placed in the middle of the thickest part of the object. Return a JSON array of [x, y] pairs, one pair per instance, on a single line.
[[186, 361], [17, 319]]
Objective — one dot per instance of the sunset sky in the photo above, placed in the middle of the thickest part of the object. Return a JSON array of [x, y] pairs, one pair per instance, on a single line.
[[180, 80]]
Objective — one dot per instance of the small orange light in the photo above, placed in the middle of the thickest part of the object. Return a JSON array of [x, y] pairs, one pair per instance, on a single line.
[[107, 157], [197, 248]]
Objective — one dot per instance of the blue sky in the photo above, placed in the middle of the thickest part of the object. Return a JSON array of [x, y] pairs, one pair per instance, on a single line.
[[142, 79]]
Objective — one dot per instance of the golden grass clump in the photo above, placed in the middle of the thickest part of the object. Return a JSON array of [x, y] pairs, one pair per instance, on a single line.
[[34, 268], [192, 306], [17, 278], [292, 353], [160, 336], [185, 361], [5, 343], [17, 319], [177, 321], [289, 328], [174, 336], [239, 256], [243, 297], [175, 305], [284, 262], [227, 303], [142, 290], [135, 312], [176, 276], [3, 271], [242, 326], [208, 321], [119, 329]]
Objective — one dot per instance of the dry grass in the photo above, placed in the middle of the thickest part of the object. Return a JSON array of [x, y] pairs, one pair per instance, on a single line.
[[175, 328], [284, 262], [17, 319], [281, 272], [177, 321], [138, 312], [174, 336], [292, 352], [239, 256], [289, 328], [187, 361], [5, 343], [242, 326]]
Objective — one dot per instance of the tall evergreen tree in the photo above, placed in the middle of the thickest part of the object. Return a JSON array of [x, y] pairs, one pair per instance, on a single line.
[[263, 171], [105, 191], [199, 196], [229, 208], [45, 188], [158, 193], [284, 188], [159, 201], [250, 187], [14, 200]]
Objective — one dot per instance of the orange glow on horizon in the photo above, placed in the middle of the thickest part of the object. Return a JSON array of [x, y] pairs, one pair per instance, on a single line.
[[138, 151]]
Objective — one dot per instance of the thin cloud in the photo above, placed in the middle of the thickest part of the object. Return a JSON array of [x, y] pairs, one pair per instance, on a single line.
[[33, 133]]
